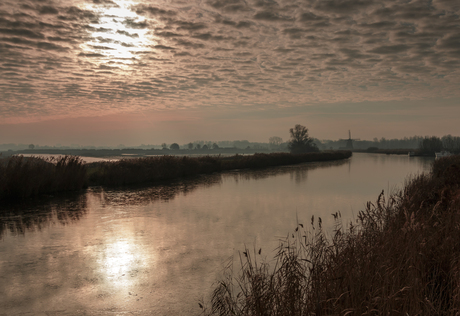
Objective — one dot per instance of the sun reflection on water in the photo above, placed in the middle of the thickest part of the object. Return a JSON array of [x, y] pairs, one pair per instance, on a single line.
[[123, 263], [118, 259]]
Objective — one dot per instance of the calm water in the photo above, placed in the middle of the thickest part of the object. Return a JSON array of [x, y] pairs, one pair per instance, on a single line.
[[159, 250]]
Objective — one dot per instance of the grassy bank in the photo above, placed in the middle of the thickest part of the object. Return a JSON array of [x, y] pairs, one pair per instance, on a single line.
[[402, 258], [22, 177], [154, 169]]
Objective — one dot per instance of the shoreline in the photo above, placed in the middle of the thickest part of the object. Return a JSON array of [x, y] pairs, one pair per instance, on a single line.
[[401, 255], [27, 177]]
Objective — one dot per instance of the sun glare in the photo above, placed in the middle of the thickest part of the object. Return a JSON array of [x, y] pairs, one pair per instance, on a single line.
[[119, 34], [121, 261]]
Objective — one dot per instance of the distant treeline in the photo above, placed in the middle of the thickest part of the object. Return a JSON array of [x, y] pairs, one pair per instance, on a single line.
[[237, 144], [22, 177], [133, 152], [274, 144], [448, 142]]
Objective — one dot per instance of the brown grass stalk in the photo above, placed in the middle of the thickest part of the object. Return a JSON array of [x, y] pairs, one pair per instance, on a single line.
[[22, 177], [402, 258]]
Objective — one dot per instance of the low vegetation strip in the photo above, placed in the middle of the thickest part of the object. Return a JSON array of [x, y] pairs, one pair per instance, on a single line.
[[22, 177], [154, 169], [402, 258]]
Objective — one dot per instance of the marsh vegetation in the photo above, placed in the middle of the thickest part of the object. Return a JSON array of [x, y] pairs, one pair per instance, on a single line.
[[22, 177], [153, 169], [401, 258]]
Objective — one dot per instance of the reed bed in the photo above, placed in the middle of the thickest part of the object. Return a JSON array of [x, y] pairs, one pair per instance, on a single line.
[[161, 168], [22, 177], [401, 258]]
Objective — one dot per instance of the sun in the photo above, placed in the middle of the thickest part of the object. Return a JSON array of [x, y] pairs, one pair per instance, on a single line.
[[119, 34]]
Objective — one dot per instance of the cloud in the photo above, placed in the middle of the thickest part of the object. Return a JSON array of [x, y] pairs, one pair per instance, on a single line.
[[189, 44], [22, 32], [310, 17], [272, 16], [224, 53], [294, 32], [210, 37], [133, 35], [229, 6], [168, 34], [91, 55], [101, 47], [152, 11], [132, 24], [343, 6], [163, 47], [106, 3], [379, 25], [450, 42], [75, 14], [389, 49], [48, 10], [189, 26], [239, 24]]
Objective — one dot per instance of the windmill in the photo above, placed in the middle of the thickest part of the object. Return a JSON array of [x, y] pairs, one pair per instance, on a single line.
[[349, 141]]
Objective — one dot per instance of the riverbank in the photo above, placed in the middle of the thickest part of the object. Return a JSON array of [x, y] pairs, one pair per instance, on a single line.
[[403, 257], [157, 169], [386, 151], [22, 177], [25, 177]]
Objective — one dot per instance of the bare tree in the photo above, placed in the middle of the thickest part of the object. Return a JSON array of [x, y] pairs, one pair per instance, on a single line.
[[275, 142], [300, 142]]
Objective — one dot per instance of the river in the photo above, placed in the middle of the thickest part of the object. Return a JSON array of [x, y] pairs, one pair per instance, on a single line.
[[159, 250]]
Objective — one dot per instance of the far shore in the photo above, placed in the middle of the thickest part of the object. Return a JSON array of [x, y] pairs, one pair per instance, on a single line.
[[117, 154], [131, 152]]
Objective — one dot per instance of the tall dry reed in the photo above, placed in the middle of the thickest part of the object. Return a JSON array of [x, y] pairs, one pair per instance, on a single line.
[[160, 168], [22, 177], [402, 258]]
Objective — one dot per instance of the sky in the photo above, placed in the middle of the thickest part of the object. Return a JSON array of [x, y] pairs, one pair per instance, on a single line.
[[109, 72]]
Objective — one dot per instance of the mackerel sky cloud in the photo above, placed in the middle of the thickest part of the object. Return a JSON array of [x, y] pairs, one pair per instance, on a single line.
[[322, 63]]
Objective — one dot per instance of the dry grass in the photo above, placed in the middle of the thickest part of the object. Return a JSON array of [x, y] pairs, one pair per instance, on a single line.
[[22, 177], [402, 258], [161, 168]]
